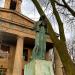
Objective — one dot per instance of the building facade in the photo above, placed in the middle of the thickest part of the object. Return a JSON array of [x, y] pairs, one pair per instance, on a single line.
[[17, 39]]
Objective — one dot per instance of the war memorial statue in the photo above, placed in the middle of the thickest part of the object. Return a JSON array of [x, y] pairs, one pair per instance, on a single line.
[[38, 65]]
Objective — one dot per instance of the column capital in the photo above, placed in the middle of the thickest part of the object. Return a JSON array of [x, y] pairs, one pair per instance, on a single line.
[[20, 37]]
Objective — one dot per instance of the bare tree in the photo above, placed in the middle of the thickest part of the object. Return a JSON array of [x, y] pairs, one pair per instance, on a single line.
[[60, 44]]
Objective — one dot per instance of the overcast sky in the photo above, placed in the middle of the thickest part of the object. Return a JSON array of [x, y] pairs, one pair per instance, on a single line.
[[28, 9], [1, 3]]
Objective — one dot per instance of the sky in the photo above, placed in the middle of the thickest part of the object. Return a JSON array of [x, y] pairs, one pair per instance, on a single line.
[[2, 3], [28, 9]]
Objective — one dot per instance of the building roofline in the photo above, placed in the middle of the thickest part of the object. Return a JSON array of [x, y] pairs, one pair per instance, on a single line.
[[17, 13]]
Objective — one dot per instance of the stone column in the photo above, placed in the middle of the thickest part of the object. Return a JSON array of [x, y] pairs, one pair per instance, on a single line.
[[7, 4], [17, 68], [58, 63], [18, 6]]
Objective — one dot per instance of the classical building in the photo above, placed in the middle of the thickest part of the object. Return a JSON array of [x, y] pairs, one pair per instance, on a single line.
[[17, 38]]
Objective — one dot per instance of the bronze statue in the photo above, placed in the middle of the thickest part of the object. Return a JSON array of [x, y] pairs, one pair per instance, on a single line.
[[40, 41]]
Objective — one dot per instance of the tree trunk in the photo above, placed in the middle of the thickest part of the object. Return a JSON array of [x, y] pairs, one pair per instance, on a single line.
[[59, 44]]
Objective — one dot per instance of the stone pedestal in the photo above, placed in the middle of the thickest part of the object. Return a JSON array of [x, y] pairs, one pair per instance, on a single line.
[[39, 67]]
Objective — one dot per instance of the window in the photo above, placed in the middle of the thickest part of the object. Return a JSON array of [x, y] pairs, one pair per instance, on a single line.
[[2, 71], [5, 47], [25, 54], [4, 51], [13, 4]]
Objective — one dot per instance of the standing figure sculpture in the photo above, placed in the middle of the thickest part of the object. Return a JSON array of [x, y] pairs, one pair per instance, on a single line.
[[40, 41], [38, 65]]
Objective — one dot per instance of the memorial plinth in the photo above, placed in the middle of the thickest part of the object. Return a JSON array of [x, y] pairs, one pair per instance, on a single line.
[[39, 67]]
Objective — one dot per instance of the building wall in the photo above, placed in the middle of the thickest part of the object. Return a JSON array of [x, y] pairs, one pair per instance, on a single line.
[[7, 62]]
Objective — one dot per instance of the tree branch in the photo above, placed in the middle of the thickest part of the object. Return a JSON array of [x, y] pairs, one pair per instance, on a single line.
[[60, 24], [69, 8], [60, 4], [66, 6]]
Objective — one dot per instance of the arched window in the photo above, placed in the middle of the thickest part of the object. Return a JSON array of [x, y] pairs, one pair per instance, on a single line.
[[4, 51]]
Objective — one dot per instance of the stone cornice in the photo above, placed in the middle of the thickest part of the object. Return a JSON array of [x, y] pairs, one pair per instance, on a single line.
[[15, 23], [17, 13]]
